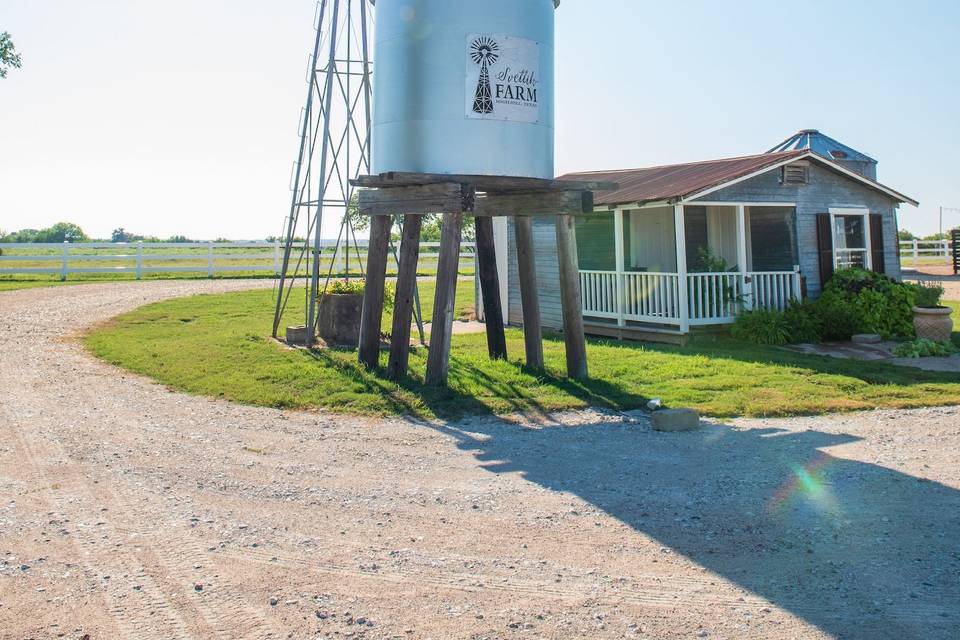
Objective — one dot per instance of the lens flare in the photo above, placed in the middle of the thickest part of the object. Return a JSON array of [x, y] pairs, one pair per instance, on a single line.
[[807, 485]]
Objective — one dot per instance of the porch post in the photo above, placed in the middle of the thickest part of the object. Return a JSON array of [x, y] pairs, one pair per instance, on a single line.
[[618, 252], [680, 234], [742, 256]]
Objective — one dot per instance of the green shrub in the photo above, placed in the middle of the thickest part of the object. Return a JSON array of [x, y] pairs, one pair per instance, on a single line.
[[854, 301], [924, 348], [860, 301], [927, 296], [836, 317], [801, 322], [761, 326]]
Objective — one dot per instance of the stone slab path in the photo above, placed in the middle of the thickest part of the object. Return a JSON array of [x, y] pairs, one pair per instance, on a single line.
[[881, 351]]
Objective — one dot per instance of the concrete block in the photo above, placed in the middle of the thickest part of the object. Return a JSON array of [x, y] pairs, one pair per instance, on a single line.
[[675, 420], [866, 338], [296, 335]]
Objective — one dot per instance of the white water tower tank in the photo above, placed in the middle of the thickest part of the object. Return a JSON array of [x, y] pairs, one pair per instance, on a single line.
[[464, 87]]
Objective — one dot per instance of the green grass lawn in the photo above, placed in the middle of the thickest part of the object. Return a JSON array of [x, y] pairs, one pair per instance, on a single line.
[[219, 345]]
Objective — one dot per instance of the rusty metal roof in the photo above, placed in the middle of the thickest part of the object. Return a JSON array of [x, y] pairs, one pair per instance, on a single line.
[[680, 181], [677, 181]]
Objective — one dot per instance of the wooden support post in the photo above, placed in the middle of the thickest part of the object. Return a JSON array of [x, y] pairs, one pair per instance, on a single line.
[[371, 317], [448, 264], [529, 298], [570, 298], [490, 288], [406, 294]]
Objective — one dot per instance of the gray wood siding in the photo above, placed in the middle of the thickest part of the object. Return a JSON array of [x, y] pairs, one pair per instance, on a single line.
[[548, 273], [826, 189]]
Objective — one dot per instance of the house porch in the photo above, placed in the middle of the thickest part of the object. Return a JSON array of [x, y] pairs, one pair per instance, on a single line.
[[686, 265]]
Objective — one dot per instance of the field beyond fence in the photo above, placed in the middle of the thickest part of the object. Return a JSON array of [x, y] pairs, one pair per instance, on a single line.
[[137, 260]]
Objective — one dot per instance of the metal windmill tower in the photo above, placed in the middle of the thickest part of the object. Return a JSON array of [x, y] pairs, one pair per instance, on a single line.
[[334, 148]]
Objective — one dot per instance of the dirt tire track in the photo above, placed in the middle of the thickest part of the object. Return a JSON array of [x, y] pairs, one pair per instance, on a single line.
[[480, 529]]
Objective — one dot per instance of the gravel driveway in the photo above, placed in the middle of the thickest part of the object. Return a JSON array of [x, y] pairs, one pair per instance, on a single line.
[[129, 511]]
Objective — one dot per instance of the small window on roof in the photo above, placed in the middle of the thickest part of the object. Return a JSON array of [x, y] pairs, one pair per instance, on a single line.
[[795, 174]]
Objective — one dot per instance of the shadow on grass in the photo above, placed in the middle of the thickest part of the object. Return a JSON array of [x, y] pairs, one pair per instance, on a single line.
[[856, 549], [504, 387], [870, 371]]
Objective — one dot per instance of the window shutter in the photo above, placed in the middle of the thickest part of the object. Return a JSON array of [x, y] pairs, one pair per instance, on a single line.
[[825, 248], [876, 243]]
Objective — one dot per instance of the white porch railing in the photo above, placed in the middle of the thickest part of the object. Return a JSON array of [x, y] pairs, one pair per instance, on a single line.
[[774, 289], [712, 298], [646, 297], [598, 292], [652, 297]]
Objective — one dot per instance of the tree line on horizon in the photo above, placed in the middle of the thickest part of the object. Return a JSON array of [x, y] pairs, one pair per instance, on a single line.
[[906, 236], [70, 232]]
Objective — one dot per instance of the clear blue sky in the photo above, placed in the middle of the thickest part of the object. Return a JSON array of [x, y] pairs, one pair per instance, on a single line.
[[181, 116]]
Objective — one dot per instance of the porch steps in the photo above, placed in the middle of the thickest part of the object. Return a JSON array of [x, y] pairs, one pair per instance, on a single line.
[[648, 333]]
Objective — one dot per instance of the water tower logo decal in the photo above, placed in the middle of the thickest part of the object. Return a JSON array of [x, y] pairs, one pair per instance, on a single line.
[[485, 52], [502, 79]]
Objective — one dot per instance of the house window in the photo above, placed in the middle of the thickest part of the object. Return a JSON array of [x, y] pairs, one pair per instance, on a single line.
[[795, 174], [851, 239]]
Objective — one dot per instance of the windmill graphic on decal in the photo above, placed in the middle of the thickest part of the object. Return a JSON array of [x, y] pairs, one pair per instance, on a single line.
[[484, 52]]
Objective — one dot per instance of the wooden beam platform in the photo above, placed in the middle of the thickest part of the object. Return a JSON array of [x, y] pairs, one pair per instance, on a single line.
[[540, 203], [485, 184], [442, 197]]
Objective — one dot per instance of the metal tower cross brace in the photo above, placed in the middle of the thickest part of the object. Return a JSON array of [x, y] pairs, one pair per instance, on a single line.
[[334, 148]]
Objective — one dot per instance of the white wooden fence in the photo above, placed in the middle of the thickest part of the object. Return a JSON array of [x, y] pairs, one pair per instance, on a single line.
[[915, 250], [210, 258]]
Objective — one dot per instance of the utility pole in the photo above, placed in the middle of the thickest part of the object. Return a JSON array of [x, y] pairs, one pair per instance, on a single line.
[[949, 210], [946, 245]]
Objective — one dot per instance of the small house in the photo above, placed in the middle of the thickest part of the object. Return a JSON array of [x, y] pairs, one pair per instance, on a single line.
[[692, 244]]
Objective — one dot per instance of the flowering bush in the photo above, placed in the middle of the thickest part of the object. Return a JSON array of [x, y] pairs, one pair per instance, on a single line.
[[356, 287], [347, 287]]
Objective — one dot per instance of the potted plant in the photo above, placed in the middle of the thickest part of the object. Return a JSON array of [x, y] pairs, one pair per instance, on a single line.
[[931, 320], [338, 312]]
